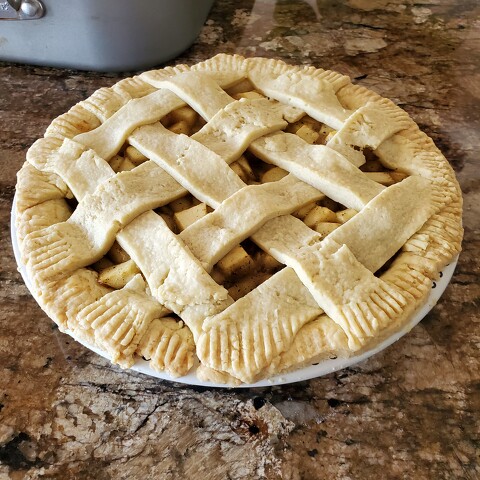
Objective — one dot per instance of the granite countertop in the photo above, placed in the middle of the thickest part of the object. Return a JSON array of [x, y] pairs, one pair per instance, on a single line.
[[410, 412]]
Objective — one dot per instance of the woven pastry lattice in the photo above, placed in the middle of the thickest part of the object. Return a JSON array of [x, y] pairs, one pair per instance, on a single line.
[[328, 299]]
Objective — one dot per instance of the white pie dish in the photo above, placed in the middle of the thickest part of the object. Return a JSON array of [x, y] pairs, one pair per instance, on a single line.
[[315, 370]]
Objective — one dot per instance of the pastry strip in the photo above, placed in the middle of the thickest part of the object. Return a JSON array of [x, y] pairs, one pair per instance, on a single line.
[[35, 187], [81, 169], [108, 138], [412, 152], [214, 235], [187, 85], [65, 298], [375, 243], [316, 340], [235, 127], [119, 320], [88, 234], [312, 94], [175, 277], [319, 166], [244, 339], [368, 126], [179, 156]]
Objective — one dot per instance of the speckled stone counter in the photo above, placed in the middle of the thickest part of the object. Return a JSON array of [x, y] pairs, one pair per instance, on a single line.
[[411, 412]]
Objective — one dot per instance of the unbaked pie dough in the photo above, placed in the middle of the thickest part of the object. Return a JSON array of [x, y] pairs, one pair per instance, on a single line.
[[241, 214]]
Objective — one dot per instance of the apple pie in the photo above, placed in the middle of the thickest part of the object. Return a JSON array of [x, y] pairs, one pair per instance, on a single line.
[[242, 217]]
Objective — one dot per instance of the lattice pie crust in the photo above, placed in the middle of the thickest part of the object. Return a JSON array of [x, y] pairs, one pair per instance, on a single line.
[[318, 205]]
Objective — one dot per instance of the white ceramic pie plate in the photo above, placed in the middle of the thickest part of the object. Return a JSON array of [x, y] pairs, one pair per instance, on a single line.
[[304, 373]]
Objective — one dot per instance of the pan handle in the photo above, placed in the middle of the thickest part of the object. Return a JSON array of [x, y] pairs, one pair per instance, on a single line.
[[21, 9]]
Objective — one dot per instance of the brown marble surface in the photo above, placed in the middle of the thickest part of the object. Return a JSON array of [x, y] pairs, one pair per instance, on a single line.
[[411, 412]]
